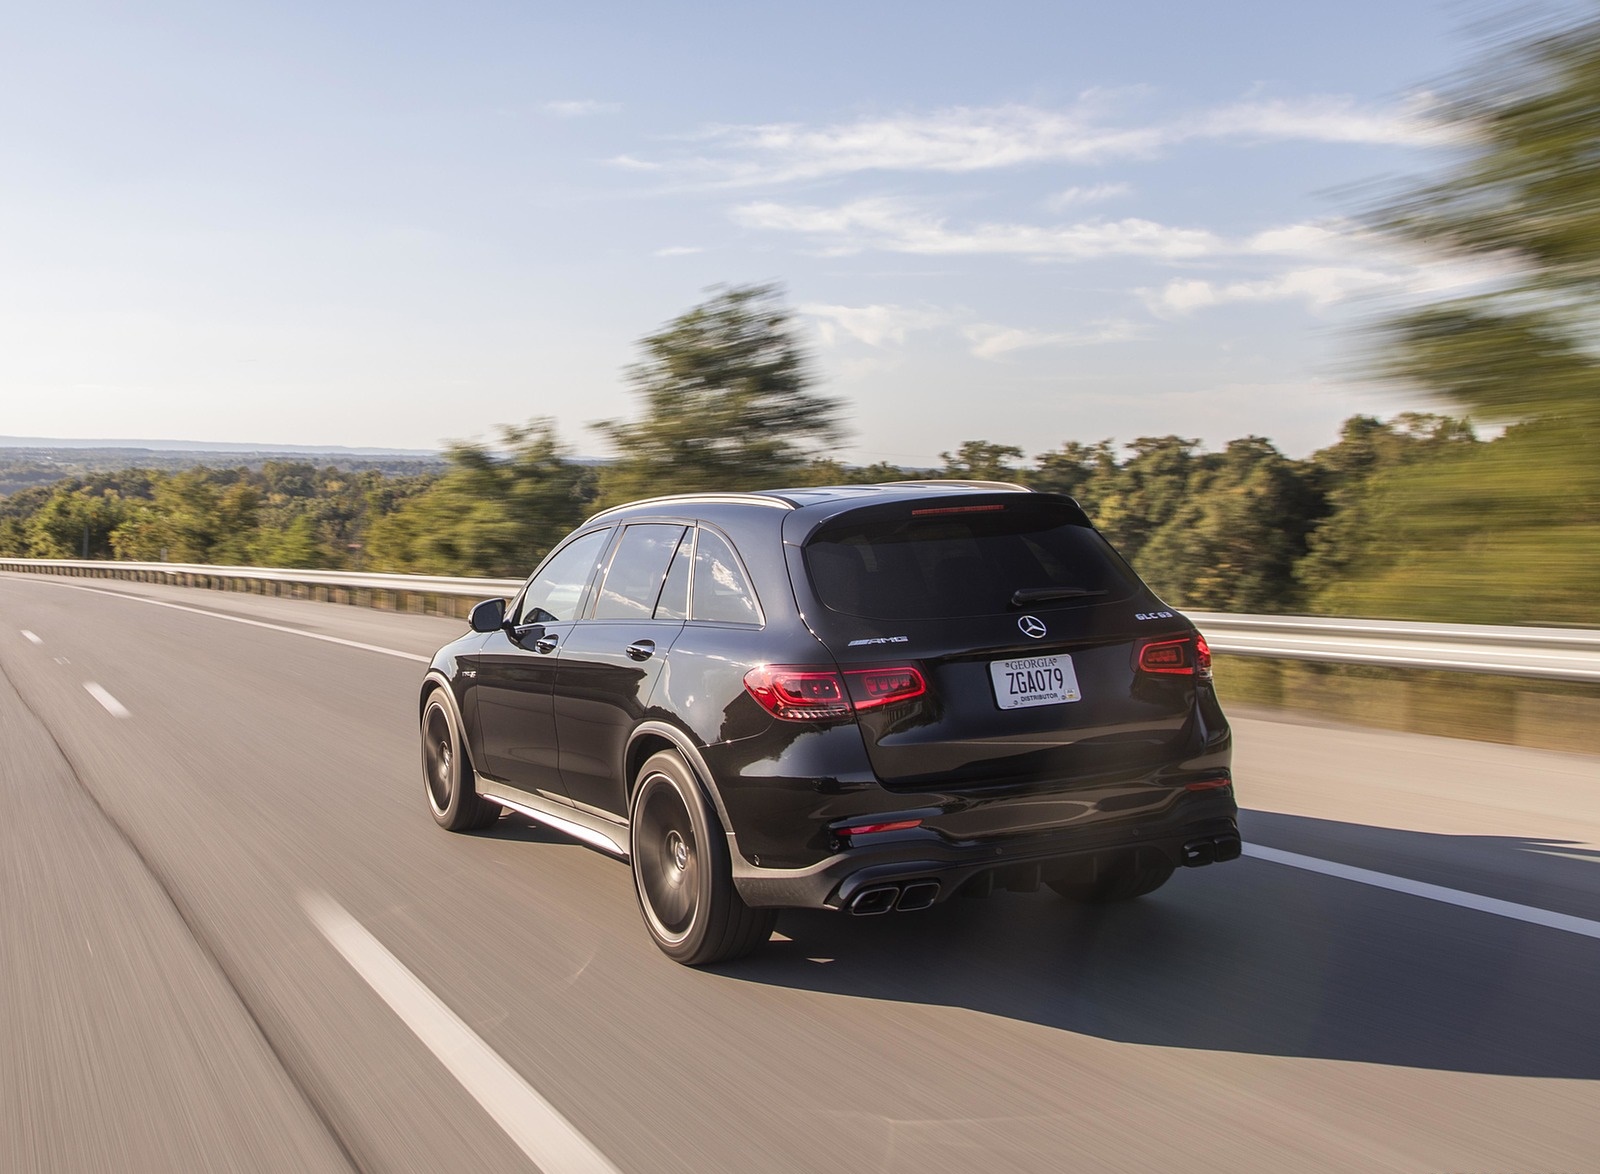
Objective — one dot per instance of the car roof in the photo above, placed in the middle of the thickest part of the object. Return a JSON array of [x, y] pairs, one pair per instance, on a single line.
[[805, 496], [805, 509]]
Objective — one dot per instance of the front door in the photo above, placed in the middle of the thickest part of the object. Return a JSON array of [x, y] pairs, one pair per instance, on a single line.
[[517, 670]]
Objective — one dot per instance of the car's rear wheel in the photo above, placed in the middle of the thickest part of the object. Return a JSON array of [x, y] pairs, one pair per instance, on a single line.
[[447, 776], [681, 871], [1132, 876]]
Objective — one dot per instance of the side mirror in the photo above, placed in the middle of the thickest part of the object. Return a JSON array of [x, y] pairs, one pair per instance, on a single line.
[[488, 616]]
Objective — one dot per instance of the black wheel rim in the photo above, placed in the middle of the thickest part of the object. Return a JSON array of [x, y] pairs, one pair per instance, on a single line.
[[667, 859], [438, 757]]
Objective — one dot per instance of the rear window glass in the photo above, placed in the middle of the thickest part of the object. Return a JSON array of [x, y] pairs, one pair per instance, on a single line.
[[964, 564]]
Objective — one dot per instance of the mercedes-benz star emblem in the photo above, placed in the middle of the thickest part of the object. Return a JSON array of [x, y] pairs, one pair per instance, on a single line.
[[1032, 626]]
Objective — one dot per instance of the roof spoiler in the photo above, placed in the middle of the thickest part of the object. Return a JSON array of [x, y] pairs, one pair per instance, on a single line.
[[956, 483]]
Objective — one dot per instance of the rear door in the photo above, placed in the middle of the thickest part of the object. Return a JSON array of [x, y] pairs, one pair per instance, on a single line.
[[1025, 625], [610, 660]]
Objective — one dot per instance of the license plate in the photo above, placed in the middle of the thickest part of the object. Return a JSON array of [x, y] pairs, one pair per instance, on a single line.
[[1034, 680]]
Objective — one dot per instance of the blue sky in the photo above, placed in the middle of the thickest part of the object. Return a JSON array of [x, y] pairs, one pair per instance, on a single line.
[[395, 224]]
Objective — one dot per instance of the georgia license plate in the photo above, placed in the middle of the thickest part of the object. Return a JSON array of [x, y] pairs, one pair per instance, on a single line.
[[1034, 680]]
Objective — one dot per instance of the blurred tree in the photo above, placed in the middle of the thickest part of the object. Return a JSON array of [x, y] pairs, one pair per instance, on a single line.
[[726, 403], [1232, 540], [1083, 471], [980, 460], [1508, 530], [75, 521], [490, 514]]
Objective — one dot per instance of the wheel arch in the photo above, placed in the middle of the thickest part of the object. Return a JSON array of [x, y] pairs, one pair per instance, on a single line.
[[437, 682], [651, 737]]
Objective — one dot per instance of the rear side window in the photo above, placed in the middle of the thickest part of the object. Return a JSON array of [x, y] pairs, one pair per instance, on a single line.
[[964, 563], [721, 592]]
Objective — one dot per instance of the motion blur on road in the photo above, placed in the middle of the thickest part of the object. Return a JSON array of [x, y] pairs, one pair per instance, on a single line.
[[235, 940]]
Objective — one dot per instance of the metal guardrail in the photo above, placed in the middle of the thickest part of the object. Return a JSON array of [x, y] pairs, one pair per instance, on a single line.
[[1568, 654]]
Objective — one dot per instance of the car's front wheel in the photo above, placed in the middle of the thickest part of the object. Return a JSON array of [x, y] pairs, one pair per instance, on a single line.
[[681, 871], [446, 775]]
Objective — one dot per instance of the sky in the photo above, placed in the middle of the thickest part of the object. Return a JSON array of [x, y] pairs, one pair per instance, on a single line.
[[398, 224]]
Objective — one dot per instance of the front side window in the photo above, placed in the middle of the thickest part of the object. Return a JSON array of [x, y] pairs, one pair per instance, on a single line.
[[638, 566], [721, 592], [555, 592]]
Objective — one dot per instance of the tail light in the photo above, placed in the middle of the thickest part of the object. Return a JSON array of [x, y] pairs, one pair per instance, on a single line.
[[1188, 657], [805, 693]]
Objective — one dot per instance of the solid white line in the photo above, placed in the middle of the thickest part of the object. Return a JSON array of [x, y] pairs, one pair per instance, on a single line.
[[1398, 884], [532, 1122], [217, 615], [30, 637], [114, 707]]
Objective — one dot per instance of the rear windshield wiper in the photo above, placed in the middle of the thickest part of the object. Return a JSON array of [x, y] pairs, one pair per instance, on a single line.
[[1026, 595]]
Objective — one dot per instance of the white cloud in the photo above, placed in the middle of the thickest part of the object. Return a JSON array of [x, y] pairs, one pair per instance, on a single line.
[[990, 341], [968, 139], [1320, 119], [874, 325], [895, 226], [678, 251], [1074, 197], [1320, 287], [580, 107]]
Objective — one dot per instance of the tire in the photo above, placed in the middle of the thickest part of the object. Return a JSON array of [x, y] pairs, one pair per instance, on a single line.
[[1133, 876], [447, 778], [681, 872]]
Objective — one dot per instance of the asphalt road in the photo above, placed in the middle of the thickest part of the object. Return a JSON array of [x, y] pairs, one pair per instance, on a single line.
[[232, 938]]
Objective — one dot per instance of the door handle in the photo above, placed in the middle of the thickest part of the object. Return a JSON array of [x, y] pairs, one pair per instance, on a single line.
[[545, 644], [641, 649]]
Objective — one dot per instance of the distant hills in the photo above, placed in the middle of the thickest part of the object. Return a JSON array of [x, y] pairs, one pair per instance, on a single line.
[[212, 446]]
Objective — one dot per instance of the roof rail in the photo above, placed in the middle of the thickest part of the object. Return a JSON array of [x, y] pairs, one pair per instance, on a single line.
[[959, 483], [766, 499]]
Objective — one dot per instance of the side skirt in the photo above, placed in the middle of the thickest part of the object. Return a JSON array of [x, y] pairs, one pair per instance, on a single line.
[[609, 837]]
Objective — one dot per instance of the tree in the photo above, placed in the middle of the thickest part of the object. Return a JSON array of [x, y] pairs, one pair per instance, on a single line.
[[724, 389], [981, 460], [1506, 531], [490, 514]]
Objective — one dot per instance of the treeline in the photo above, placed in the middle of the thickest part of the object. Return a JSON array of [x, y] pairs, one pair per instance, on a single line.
[[1246, 529]]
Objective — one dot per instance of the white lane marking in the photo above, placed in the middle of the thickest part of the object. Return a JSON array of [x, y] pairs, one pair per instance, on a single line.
[[217, 615], [30, 637], [114, 707], [1398, 884], [532, 1122]]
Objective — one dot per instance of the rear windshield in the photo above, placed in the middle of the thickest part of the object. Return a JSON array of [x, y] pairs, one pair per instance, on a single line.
[[964, 564]]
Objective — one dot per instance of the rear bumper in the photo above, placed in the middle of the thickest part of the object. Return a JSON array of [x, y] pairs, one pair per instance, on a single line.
[[923, 868]]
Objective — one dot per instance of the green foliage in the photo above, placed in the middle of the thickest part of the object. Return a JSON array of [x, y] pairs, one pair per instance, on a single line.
[[726, 405], [1508, 530], [488, 515], [979, 460]]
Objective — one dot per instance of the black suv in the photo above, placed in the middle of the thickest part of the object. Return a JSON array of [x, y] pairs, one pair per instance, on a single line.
[[864, 698]]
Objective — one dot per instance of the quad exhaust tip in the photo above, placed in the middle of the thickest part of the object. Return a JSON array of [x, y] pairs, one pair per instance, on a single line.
[[876, 899], [1213, 850], [918, 895], [872, 901]]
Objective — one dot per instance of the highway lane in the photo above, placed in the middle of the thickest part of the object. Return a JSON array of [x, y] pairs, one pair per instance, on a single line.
[[1247, 1016]]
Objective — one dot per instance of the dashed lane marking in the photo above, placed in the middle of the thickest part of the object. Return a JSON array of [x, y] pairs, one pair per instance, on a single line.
[[1400, 884], [30, 637], [529, 1120], [114, 707]]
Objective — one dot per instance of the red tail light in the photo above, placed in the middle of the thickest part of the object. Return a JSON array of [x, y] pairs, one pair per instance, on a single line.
[[805, 693], [1188, 657], [870, 687]]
